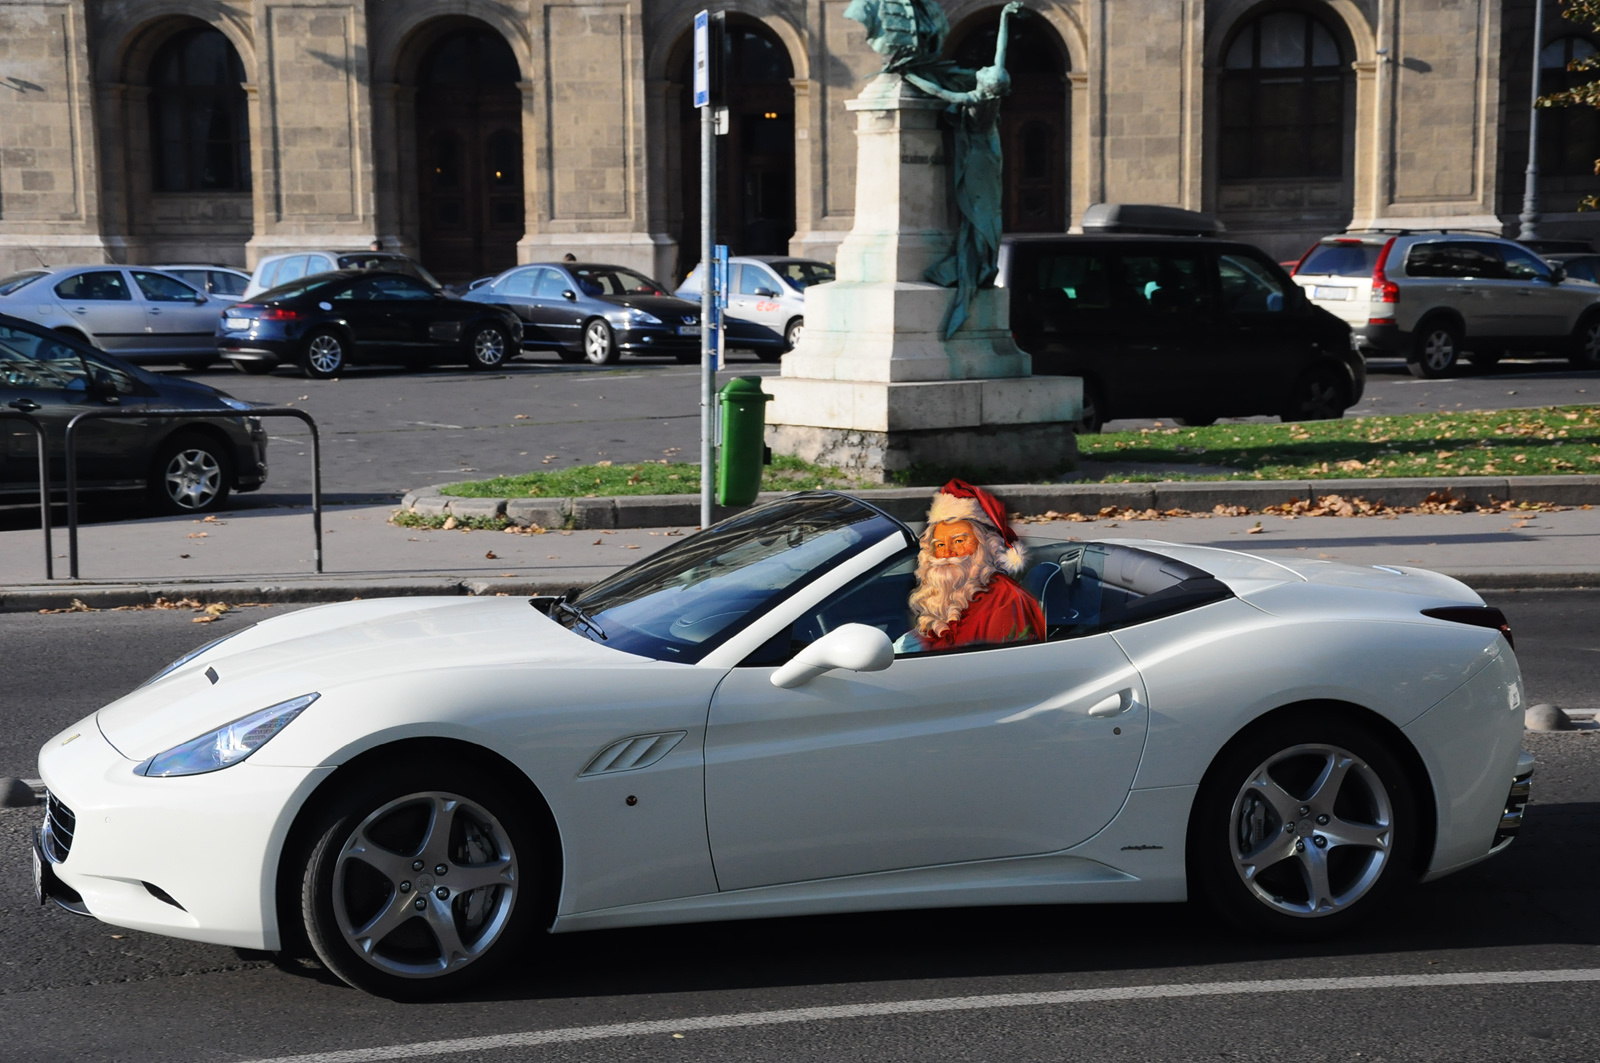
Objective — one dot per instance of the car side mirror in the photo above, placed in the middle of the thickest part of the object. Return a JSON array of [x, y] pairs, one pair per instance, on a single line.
[[765, 293], [856, 647], [1558, 273], [199, 298], [570, 295], [102, 387]]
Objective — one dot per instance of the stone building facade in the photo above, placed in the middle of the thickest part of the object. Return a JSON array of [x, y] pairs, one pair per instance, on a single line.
[[477, 133]]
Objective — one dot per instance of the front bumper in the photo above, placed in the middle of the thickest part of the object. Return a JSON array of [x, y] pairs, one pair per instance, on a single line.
[[646, 338], [193, 857]]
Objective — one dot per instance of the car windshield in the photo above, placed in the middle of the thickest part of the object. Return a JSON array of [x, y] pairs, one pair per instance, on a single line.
[[801, 275], [18, 281], [1341, 260], [688, 599], [614, 280]]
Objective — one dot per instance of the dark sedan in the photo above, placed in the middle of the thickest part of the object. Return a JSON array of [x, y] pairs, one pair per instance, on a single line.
[[594, 313], [180, 466], [325, 322]]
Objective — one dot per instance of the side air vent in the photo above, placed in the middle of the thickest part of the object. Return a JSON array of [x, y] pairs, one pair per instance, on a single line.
[[640, 751]]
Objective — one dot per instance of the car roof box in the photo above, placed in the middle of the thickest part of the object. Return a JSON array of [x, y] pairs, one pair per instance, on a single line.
[[1148, 218]]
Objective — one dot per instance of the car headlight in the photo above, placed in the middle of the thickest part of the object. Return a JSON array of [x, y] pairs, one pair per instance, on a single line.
[[191, 655], [235, 404], [228, 744], [639, 317]]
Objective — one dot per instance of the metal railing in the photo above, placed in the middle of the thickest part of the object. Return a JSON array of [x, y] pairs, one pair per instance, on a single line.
[[44, 482], [191, 415]]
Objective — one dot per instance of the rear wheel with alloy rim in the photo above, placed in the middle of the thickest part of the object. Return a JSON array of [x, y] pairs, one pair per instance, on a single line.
[[487, 347], [323, 355], [1304, 829], [1585, 344], [1322, 394], [191, 474], [415, 889], [1437, 350], [599, 345]]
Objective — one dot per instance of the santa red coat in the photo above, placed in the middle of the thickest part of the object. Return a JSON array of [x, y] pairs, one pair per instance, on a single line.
[[1001, 612]]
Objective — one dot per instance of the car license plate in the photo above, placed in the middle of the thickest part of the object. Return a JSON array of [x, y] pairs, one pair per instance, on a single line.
[[688, 330], [1321, 292], [236, 324]]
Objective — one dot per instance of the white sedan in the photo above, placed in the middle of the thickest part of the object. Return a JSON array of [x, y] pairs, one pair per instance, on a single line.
[[414, 788]]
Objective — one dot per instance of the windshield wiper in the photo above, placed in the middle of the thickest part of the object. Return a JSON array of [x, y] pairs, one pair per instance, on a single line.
[[588, 621]]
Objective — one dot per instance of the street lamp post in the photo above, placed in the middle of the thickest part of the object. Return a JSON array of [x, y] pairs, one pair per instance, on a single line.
[[1530, 187]]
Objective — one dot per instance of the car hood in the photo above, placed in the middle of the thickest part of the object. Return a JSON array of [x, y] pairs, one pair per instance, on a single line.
[[663, 306], [172, 387], [336, 646], [1253, 577]]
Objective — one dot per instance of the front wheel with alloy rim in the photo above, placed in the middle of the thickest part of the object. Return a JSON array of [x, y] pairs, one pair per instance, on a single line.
[[793, 334], [1305, 828], [1585, 350], [423, 878], [323, 355], [487, 347], [1437, 350], [1323, 394], [599, 345], [191, 474]]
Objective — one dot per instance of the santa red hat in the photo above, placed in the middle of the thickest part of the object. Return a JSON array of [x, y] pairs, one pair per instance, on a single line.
[[959, 500]]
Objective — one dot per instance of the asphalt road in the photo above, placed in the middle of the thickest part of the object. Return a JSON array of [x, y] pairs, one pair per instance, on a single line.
[[386, 431], [75, 989]]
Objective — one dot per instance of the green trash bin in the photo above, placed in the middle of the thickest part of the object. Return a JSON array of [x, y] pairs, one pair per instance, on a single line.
[[744, 444]]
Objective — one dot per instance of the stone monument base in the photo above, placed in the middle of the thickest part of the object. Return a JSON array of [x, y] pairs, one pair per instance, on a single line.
[[994, 452]]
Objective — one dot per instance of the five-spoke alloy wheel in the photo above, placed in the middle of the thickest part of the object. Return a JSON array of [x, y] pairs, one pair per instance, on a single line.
[[415, 893], [599, 344], [1304, 828]]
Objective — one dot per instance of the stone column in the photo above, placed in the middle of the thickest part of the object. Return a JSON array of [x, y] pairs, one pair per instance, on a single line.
[[874, 386]]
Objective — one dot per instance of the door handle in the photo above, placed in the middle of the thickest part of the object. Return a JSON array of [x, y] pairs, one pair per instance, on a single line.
[[1112, 704], [79, 309], [154, 311], [23, 405]]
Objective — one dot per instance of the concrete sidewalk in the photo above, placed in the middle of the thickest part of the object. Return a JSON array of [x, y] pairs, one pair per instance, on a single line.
[[265, 555]]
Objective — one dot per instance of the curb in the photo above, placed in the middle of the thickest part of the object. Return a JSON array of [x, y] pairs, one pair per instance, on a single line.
[[33, 599], [911, 503]]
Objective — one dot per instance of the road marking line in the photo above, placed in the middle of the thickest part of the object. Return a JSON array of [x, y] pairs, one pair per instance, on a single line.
[[746, 1019]]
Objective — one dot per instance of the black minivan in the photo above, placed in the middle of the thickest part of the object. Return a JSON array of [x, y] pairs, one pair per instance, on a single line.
[[1188, 327]]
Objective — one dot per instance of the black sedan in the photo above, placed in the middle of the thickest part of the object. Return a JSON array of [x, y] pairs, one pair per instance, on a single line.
[[328, 321], [178, 465], [594, 313]]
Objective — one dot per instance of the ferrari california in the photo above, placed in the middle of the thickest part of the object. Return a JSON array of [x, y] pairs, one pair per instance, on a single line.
[[415, 790]]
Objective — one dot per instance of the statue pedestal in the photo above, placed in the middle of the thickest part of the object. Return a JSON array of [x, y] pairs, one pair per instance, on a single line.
[[874, 387]]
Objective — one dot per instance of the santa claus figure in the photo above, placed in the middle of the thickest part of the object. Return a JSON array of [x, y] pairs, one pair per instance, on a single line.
[[966, 591]]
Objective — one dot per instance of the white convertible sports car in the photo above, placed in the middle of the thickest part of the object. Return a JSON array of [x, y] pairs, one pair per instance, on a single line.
[[414, 787]]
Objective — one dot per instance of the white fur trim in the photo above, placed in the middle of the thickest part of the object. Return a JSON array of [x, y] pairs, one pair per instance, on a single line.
[[949, 507], [1013, 561]]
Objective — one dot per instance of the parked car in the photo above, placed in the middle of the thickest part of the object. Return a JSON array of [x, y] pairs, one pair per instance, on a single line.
[[141, 315], [1433, 297], [274, 271], [1192, 328], [595, 313], [223, 283], [178, 466], [327, 321], [768, 292], [420, 788]]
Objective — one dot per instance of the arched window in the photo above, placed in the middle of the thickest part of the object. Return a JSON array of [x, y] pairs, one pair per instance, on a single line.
[[198, 117], [1282, 100], [1569, 137]]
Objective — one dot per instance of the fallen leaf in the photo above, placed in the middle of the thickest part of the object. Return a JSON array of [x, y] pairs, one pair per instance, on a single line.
[[603, 464], [520, 417], [449, 524], [196, 535], [490, 555], [631, 546], [551, 557], [597, 542], [1257, 530]]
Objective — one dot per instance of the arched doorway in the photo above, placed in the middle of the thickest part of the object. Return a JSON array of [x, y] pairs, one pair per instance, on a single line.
[[1033, 118], [755, 160], [469, 154]]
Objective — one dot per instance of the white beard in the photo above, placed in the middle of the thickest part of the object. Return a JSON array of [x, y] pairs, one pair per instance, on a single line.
[[946, 586]]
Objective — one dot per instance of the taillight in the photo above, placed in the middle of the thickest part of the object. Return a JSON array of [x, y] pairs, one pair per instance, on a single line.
[[1477, 616], [278, 313], [1385, 292]]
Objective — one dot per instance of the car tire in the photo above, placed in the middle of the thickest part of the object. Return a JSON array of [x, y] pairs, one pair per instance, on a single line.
[[599, 343], [1436, 350], [191, 473], [793, 333], [687, 357], [1322, 394], [322, 355], [1483, 361], [570, 357], [198, 364], [376, 852], [1094, 411], [1583, 351], [487, 347], [1304, 828], [254, 368]]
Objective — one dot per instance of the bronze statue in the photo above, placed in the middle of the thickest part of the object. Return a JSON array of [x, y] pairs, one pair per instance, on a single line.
[[910, 34]]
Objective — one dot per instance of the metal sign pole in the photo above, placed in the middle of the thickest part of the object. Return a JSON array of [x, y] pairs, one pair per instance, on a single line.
[[708, 381]]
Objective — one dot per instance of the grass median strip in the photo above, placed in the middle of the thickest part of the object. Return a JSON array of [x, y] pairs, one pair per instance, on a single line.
[[605, 479], [1532, 442]]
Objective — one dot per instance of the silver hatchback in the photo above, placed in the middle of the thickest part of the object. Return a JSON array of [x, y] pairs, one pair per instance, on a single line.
[[768, 291]]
